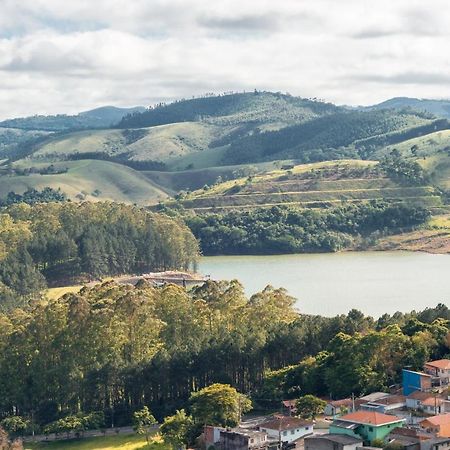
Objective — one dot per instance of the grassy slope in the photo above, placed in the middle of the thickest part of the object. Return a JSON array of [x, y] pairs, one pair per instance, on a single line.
[[114, 181], [303, 187], [119, 442]]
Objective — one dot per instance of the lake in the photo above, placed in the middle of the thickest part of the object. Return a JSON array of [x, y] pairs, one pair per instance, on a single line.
[[333, 283]]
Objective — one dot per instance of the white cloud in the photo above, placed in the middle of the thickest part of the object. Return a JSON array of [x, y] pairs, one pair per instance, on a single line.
[[68, 56]]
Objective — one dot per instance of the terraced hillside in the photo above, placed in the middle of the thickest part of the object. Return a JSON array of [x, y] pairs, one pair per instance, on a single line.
[[310, 185]]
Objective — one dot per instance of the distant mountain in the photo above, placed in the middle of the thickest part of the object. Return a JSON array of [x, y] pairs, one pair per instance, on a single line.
[[102, 117], [440, 108]]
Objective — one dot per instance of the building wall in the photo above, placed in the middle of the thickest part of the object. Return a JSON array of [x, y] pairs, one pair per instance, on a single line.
[[414, 381], [289, 435], [318, 443], [367, 432]]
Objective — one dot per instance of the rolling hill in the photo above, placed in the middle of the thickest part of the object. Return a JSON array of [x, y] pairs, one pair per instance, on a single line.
[[154, 153], [102, 117], [439, 108]]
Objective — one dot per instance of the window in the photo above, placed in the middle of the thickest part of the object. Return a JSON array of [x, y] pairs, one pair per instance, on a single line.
[[306, 428], [370, 428], [292, 431], [284, 433], [251, 441]]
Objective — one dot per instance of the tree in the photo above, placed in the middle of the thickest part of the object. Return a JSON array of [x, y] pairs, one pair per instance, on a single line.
[[176, 429], [143, 421], [309, 406], [15, 425], [220, 405]]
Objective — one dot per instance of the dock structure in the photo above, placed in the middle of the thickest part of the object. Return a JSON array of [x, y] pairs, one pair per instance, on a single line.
[[167, 277]]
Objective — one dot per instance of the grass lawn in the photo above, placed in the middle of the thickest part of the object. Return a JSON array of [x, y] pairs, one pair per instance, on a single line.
[[116, 442], [55, 293]]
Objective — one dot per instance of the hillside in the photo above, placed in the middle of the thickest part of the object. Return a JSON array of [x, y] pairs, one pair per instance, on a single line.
[[439, 108], [102, 117], [90, 180], [310, 185]]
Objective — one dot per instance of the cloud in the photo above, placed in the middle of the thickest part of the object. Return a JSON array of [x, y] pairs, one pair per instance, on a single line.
[[73, 55]]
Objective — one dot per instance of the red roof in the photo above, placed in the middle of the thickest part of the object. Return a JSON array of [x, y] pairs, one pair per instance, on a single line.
[[439, 364], [369, 417], [441, 419]]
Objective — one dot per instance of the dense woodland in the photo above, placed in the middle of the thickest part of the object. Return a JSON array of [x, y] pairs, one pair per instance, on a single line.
[[32, 196], [51, 242], [114, 349], [292, 230]]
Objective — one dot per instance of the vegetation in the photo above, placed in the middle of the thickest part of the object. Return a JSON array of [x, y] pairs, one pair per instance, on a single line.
[[116, 349], [282, 229], [309, 406], [32, 196], [61, 241], [143, 421]]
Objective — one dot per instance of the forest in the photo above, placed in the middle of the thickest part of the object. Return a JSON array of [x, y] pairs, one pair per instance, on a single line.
[[284, 229], [49, 243], [113, 349]]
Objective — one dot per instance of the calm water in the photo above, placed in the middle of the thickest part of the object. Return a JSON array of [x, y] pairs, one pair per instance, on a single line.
[[333, 283]]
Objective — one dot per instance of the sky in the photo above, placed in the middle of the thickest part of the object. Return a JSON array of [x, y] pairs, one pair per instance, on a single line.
[[66, 56]]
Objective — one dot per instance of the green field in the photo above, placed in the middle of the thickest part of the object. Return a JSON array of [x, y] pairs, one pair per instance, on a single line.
[[90, 180], [119, 442]]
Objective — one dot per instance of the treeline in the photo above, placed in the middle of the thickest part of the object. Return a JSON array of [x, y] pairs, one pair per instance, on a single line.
[[62, 241], [32, 196], [323, 138], [292, 230], [122, 158], [116, 348]]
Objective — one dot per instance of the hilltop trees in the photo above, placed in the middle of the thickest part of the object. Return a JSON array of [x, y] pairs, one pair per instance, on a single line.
[[309, 406]]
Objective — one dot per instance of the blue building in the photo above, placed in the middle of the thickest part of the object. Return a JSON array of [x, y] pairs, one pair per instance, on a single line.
[[415, 381]]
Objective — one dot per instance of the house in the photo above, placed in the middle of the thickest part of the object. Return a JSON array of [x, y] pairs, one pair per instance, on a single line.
[[436, 444], [373, 397], [385, 404], [438, 425], [415, 381], [368, 425], [211, 435], [408, 438], [430, 403], [332, 442], [243, 439], [439, 370], [336, 407], [287, 429]]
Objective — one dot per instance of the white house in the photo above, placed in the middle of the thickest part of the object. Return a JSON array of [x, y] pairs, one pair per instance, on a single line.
[[439, 369], [287, 429]]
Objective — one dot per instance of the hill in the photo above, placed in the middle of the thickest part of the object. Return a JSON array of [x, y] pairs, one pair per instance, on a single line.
[[102, 117], [311, 185], [439, 108], [90, 180]]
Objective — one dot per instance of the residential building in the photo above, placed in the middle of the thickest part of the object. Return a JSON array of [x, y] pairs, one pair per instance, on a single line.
[[243, 439], [439, 370], [373, 397], [368, 425], [438, 425], [336, 407], [289, 407], [211, 435], [415, 381], [332, 442], [436, 444], [428, 402], [287, 429], [385, 404]]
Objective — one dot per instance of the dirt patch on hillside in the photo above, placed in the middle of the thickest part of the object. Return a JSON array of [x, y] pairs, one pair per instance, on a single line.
[[431, 241]]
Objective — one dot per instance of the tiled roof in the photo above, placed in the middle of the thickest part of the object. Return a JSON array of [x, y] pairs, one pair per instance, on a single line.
[[431, 401], [390, 400], [369, 418], [419, 395], [439, 364], [285, 423], [342, 402], [441, 419]]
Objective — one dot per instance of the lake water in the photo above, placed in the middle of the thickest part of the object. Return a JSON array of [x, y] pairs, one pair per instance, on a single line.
[[333, 283]]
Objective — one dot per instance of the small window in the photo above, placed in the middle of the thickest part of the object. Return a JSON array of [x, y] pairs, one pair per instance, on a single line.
[[292, 431], [251, 441], [284, 433], [370, 429], [306, 428]]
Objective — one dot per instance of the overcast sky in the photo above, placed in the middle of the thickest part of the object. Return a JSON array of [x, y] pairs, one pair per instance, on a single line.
[[71, 55]]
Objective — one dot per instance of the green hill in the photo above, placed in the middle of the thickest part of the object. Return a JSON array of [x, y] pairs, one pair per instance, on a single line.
[[439, 108], [91, 180]]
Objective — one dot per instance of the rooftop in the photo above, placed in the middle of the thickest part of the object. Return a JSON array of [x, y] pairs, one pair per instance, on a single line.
[[439, 364], [374, 396], [285, 423], [338, 438], [369, 418], [342, 402], [441, 419]]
